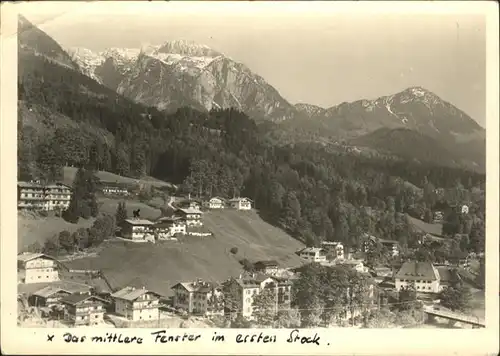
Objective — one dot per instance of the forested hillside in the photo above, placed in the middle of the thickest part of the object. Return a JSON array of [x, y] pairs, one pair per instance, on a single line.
[[306, 189]]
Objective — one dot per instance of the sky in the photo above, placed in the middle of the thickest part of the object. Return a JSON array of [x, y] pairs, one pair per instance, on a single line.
[[316, 53]]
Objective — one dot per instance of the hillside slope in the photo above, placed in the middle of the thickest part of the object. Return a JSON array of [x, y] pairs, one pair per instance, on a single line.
[[69, 174], [162, 265], [411, 144], [36, 42], [32, 228]]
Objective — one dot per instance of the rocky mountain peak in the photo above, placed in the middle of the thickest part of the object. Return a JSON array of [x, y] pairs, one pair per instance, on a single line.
[[187, 48]]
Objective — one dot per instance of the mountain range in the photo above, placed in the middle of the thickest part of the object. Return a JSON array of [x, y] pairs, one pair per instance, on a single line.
[[411, 124]]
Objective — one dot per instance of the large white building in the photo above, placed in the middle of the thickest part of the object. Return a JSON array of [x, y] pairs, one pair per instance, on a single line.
[[36, 196], [240, 203], [313, 254], [245, 288], [423, 275], [37, 268], [199, 297], [137, 304]]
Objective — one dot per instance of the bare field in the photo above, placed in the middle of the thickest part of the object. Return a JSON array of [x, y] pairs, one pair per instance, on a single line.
[[70, 172]]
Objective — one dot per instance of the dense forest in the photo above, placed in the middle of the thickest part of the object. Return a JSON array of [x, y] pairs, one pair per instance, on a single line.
[[310, 190]]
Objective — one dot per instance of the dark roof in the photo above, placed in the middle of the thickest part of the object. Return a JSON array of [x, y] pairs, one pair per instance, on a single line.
[[417, 270], [448, 275], [269, 263], [78, 298], [240, 199], [109, 184], [50, 290]]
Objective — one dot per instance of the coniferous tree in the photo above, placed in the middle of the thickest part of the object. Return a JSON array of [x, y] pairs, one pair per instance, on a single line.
[[457, 297], [264, 305], [83, 201], [121, 213]]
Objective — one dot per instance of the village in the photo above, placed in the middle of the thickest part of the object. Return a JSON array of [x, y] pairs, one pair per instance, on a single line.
[[50, 292]]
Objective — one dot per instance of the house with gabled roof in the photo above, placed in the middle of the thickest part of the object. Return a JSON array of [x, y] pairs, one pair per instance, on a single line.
[[37, 268], [137, 303], [136, 229], [334, 247], [423, 275], [267, 267], [36, 196], [215, 203], [313, 254], [57, 196], [83, 309], [191, 216], [240, 203], [170, 226], [189, 203], [199, 297], [49, 294]]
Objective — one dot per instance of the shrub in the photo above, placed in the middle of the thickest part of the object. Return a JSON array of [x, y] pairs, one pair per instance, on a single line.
[[234, 250], [85, 211], [247, 265], [35, 247]]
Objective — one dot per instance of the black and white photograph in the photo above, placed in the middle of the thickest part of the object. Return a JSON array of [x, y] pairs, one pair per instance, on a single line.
[[251, 169]]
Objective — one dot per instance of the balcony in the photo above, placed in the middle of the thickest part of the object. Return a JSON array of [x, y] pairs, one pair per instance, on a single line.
[[149, 306]]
